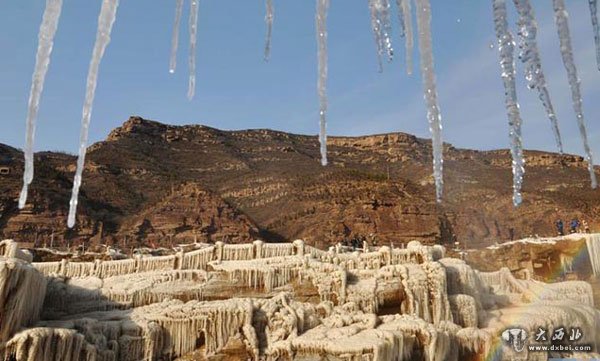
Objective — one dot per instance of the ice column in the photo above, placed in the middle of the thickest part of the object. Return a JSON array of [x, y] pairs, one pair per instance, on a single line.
[[321, 22], [506, 47], [175, 36], [530, 56], [42, 62], [429, 87], [561, 17], [106, 20]]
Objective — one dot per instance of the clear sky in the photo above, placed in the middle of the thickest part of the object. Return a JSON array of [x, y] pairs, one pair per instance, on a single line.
[[236, 89]]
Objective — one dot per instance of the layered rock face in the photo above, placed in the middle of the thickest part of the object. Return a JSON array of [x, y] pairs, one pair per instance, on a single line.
[[282, 302], [159, 184]]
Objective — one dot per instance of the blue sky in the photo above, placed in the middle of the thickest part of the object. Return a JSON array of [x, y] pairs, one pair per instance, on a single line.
[[236, 89]]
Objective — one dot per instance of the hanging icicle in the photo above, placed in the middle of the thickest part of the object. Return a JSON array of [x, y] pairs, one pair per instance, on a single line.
[[376, 26], [405, 15], [429, 86], [561, 17], [401, 23], [42, 62], [193, 25], [175, 36], [269, 20], [386, 28], [506, 48], [106, 20], [530, 56], [594, 14], [321, 22]]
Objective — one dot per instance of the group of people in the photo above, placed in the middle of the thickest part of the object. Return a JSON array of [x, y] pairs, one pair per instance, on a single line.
[[358, 240], [574, 226]]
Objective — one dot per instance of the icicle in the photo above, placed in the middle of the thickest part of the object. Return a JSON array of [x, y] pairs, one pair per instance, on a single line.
[[428, 74], [401, 23], [321, 20], [175, 37], [530, 56], [406, 13], [594, 14], [506, 52], [193, 24], [269, 21], [42, 62], [106, 20], [387, 28], [561, 17], [376, 26]]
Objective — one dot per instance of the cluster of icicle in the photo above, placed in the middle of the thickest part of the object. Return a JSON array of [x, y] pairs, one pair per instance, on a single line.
[[530, 56], [381, 25], [443, 306]]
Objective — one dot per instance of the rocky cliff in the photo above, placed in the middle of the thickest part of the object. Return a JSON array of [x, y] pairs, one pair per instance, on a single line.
[[154, 183]]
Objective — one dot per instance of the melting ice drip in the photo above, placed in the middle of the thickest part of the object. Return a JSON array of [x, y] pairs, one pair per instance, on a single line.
[[506, 46], [42, 62], [381, 24], [106, 20]]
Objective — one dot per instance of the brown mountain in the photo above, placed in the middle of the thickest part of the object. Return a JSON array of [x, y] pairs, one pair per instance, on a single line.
[[155, 183]]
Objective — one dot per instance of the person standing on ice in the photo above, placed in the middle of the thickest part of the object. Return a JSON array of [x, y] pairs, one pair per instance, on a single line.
[[560, 227], [574, 225]]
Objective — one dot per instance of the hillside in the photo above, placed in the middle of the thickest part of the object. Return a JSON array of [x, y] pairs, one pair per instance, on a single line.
[[158, 184]]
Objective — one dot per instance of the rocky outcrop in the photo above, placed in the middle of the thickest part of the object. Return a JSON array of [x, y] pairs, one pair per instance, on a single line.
[[151, 181]]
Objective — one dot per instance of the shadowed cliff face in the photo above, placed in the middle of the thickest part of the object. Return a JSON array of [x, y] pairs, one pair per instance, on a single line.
[[154, 183]]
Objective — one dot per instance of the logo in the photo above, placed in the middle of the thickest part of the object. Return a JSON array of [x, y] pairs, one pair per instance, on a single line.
[[516, 338]]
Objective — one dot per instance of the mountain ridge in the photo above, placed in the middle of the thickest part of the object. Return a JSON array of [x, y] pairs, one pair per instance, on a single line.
[[150, 182]]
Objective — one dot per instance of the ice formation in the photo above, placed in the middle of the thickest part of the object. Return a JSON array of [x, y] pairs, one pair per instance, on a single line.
[[506, 47], [530, 56], [593, 247], [386, 304], [382, 27], [430, 93], [405, 19], [594, 15], [376, 25], [321, 25], [386, 28], [269, 20], [175, 36], [106, 20], [193, 28], [42, 62], [561, 17]]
